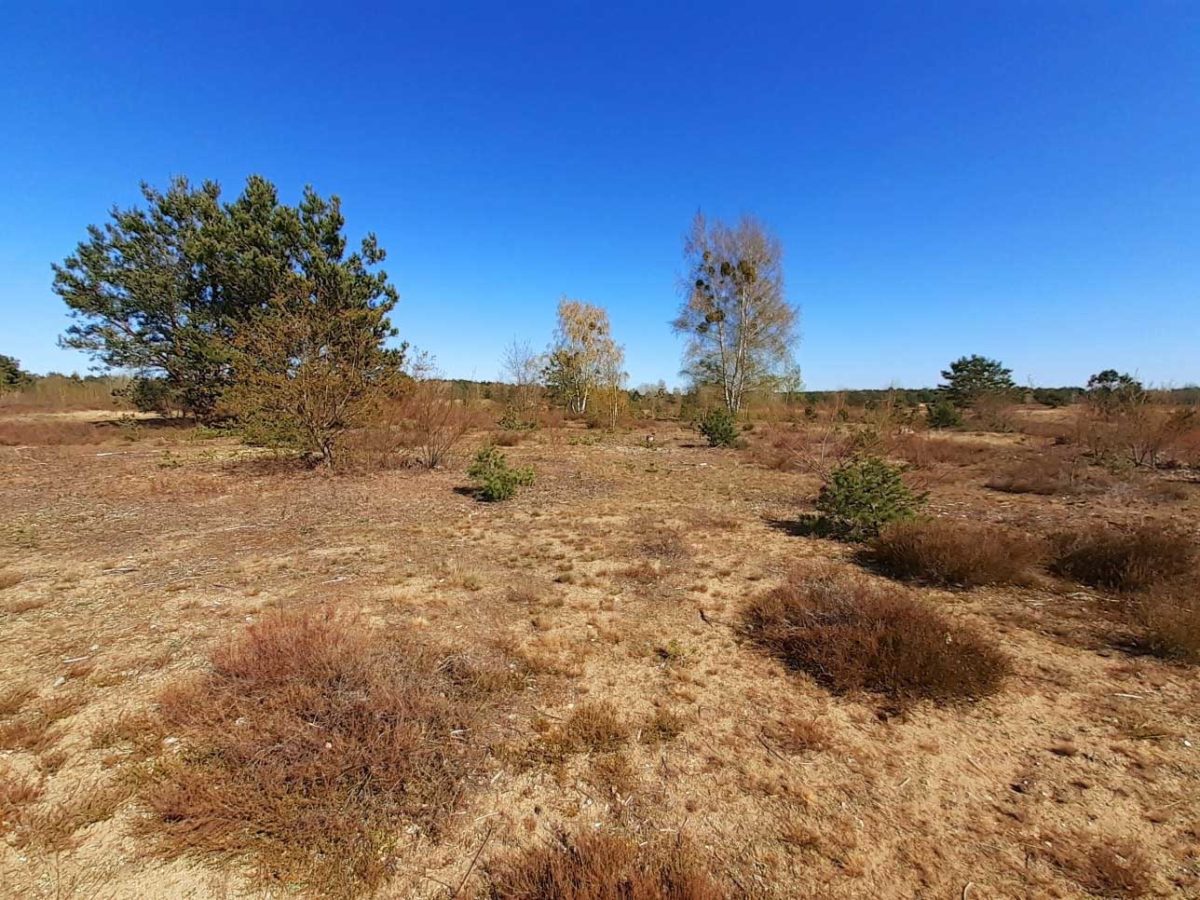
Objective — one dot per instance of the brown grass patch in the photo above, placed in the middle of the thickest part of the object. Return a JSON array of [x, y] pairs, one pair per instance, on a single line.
[[954, 552], [662, 727], [592, 727], [602, 866], [55, 828], [47, 433], [1043, 475], [14, 698], [852, 635], [921, 452], [31, 733], [1123, 559], [10, 579], [1168, 620], [310, 744], [1105, 868], [16, 792]]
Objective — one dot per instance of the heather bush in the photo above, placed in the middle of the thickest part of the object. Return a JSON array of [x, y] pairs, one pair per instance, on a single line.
[[954, 552], [852, 635], [1123, 559]]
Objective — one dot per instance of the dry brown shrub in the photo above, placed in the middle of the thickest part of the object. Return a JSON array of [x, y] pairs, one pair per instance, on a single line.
[[44, 433], [602, 866], [32, 733], [922, 451], [1045, 475], [1123, 559], [16, 792], [1105, 867], [853, 635], [10, 579], [1168, 620], [595, 726], [811, 448], [55, 828], [954, 552], [312, 743], [662, 727], [14, 698], [1146, 432]]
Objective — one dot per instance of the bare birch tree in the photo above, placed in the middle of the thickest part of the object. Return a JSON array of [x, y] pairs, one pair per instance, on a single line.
[[740, 327], [583, 350]]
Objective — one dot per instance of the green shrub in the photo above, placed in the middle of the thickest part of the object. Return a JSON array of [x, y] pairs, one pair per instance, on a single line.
[[863, 495], [943, 414], [514, 419], [496, 480], [719, 427]]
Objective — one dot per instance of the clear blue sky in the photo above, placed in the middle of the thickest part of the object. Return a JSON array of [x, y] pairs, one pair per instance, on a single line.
[[1019, 179]]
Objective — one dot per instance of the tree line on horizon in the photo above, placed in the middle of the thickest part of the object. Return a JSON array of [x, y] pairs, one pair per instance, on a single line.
[[258, 311]]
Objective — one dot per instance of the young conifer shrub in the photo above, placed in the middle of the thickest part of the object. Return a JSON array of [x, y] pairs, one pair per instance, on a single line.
[[863, 495], [495, 478]]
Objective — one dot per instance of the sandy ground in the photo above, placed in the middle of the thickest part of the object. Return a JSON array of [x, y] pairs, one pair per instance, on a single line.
[[619, 575]]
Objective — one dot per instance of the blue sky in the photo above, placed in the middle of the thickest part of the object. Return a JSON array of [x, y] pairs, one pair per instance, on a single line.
[[1019, 179]]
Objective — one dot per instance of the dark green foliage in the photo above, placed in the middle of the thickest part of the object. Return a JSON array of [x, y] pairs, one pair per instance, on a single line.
[[863, 495], [148, 395], [515, 419], [11, 374], [496, 480], [1110, 390], [971, 378], [719, 427], [943, 414], [163, 290]]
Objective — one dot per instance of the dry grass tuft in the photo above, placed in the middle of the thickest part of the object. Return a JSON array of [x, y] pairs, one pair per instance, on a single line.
[[602, 866], [31, 733], [14, 698], [1168, 620], [921, 452], [1123, 559], [662, 727], [1041, 475], [592, 727], [954, 552], [1105, 868], [852, 635], [56, 828], [16, 792], [312, 743], [10, 579]]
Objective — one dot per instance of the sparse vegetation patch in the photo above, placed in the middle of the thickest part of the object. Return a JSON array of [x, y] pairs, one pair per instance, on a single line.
[[954, 552], [1123, 559], [312, 744], [852, 635], [603, 866]]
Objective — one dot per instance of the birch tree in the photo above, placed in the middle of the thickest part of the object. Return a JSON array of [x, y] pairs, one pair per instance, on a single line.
[[582, 353], [741, 330]]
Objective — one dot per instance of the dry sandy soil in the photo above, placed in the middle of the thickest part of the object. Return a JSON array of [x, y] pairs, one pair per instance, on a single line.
[[619, 575]]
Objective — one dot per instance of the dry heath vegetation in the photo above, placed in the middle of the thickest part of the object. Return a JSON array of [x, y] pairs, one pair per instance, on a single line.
[[646, 674], [280, 618]]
